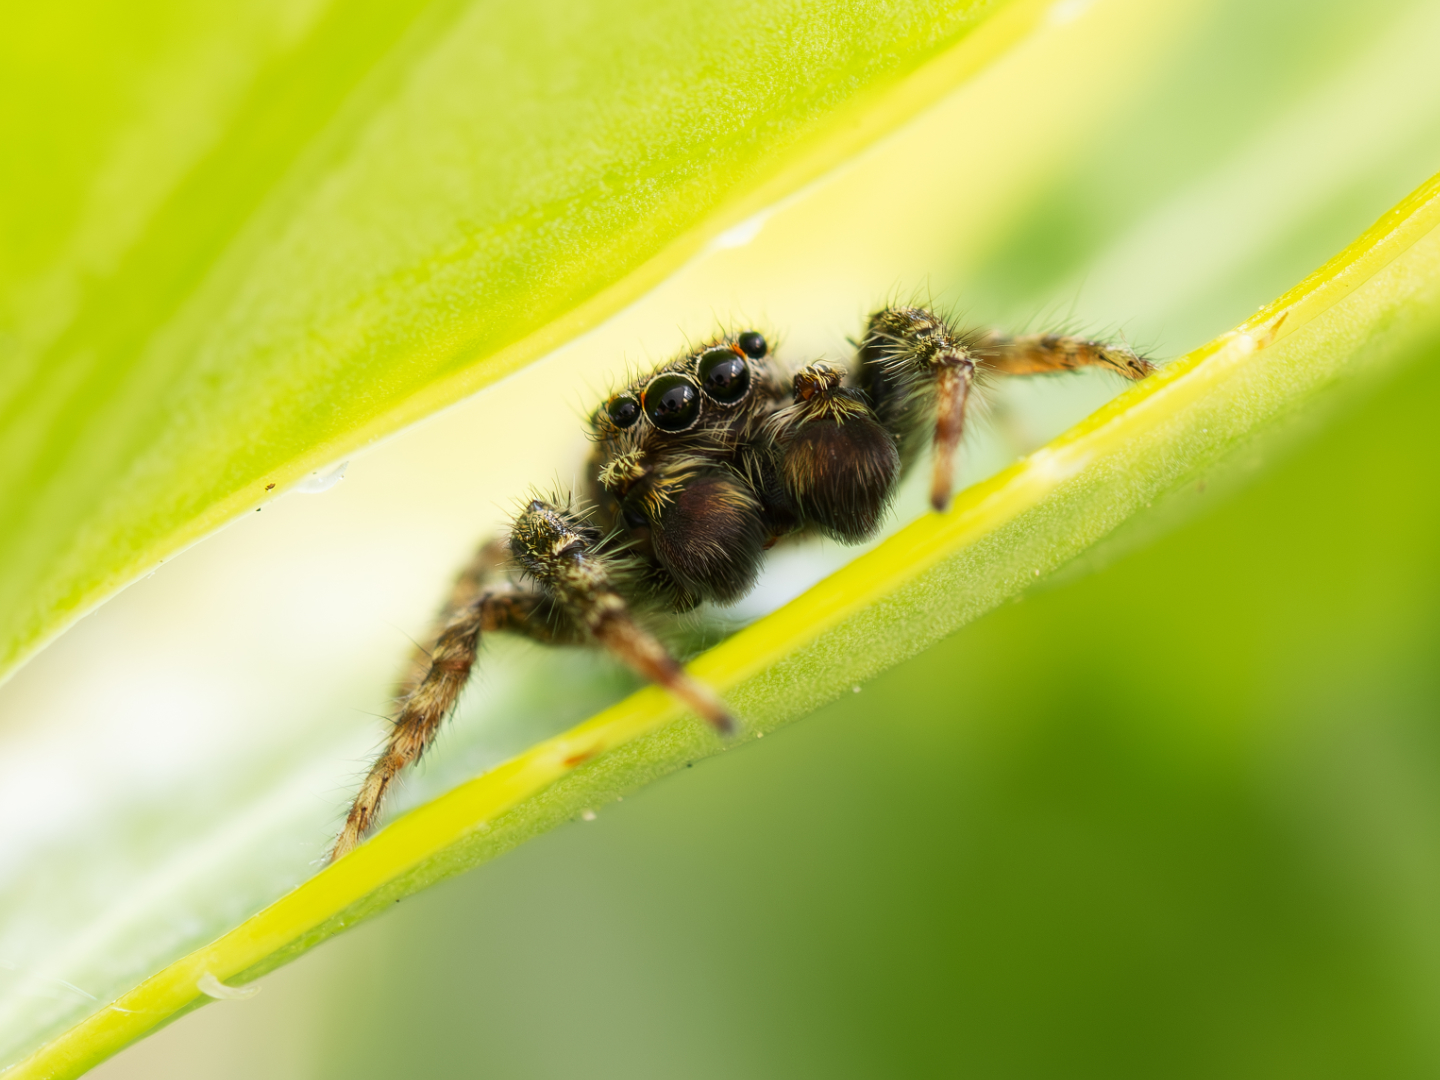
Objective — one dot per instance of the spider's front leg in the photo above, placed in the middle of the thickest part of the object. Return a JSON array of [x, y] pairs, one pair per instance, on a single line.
[[563, 554], [919, 369], [474, 577], [1045, 354]]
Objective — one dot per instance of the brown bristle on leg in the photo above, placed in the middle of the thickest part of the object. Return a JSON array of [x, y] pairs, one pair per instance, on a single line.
[[952, 392]]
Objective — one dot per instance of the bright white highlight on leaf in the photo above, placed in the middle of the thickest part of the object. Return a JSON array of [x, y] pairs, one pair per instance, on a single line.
[[210, 986], [322, 480], [1067, 11], [741, 234]]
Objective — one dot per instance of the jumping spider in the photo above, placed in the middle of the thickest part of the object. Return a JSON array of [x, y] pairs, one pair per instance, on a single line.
[[698, 468]]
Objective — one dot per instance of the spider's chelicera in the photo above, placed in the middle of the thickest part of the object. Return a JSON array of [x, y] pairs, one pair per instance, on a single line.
[[698, 468]]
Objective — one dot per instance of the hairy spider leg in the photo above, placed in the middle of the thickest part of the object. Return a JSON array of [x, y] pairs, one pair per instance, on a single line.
[[563, 553], [425, 707], [953, 380], [576, 598], [919, 371], [482, 569], [1044, 354]]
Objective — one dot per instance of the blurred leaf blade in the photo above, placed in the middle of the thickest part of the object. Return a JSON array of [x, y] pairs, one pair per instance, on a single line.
[[336, 220], [1353, 316]]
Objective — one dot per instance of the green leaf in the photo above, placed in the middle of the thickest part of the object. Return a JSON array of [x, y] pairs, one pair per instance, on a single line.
[[1370, 302], [1031, 522], [272, 233]]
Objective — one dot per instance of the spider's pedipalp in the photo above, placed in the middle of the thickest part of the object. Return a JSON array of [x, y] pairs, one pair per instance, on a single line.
[[706, 529], [838, 462]]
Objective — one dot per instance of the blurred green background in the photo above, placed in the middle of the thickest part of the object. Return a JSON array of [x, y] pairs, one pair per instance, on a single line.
[[1176, 813]]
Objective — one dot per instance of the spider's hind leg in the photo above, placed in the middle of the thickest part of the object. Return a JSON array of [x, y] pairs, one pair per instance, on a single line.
[[484, 567], [432, 697]]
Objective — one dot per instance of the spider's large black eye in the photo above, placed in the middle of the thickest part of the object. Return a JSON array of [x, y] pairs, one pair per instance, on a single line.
[[624, 410], [724, 375], [671, 402], [753, 344]]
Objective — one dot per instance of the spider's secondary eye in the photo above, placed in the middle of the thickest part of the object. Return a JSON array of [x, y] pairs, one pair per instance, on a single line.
[[671, 402], [624, 410], [724, 375], [753, 344]]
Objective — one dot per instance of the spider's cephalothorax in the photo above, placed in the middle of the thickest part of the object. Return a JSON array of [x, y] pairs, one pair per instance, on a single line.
[[698, 468]]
